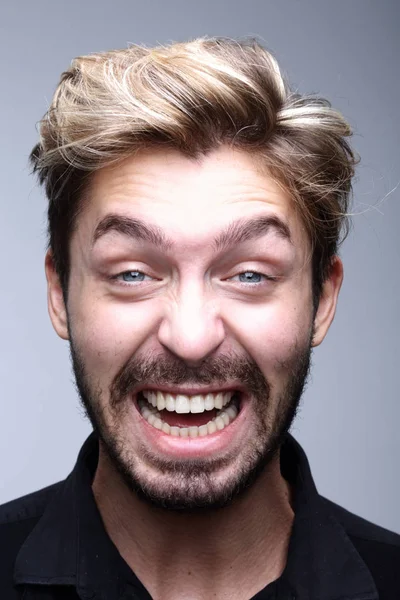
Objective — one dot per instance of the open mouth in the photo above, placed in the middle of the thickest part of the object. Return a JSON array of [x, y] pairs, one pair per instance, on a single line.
[[189, 416]]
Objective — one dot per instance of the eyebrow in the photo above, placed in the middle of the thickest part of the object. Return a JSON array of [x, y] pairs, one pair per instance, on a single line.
[[244, 230], [237, 232], [133, 228]]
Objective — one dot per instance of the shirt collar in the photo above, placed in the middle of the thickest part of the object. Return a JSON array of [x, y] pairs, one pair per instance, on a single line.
[[69, 545], [322, 561]]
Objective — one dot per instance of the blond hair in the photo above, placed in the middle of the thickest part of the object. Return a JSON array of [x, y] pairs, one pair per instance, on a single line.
[[193, 97]]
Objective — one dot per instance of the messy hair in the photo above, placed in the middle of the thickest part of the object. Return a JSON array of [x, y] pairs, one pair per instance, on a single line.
[[194, 97]]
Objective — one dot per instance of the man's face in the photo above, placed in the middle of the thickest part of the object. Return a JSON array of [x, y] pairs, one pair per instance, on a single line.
[[190, 288]]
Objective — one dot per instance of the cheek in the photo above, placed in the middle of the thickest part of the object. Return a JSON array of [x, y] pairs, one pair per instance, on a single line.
[[270, 332], [108, 333]]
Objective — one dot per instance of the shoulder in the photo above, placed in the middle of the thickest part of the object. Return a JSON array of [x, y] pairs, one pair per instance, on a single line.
[[17, 519], [378, 547]]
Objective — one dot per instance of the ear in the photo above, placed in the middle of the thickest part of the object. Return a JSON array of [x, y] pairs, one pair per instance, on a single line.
[[327, 304], [55, 299]]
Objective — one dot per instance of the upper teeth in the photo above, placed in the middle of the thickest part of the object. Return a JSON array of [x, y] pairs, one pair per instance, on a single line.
[[187, 404]]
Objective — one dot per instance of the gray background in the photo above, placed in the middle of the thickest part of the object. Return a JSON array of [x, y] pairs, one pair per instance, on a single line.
[[345, 50]]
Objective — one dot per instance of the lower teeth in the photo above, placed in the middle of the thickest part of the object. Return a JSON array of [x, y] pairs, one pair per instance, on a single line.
[[223, 418]]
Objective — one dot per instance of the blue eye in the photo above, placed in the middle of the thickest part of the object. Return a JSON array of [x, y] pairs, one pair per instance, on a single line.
[[130, 276], [250, 277]]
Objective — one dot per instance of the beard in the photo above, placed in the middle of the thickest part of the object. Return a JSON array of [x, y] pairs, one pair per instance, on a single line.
[[197, 484]]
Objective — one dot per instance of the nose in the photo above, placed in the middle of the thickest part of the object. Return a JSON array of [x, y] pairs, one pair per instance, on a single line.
[[193, 328]]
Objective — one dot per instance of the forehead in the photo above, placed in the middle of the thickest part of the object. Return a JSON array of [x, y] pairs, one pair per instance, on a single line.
[[188, 197]]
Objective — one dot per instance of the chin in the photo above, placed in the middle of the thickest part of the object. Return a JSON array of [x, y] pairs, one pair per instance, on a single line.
[[191, 485]]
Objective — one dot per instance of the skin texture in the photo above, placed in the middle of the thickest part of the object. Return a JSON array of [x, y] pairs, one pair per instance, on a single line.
[[191, 312]]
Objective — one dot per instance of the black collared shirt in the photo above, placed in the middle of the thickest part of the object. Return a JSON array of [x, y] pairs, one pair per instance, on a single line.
[[53, 545]]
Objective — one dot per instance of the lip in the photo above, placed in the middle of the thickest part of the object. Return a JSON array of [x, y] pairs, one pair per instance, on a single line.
[[212, 445]]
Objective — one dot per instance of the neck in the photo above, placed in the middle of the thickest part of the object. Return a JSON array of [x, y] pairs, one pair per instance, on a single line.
[[229, 553]]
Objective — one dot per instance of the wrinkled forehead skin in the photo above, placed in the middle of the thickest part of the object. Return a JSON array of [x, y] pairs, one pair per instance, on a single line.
[[191, 200]]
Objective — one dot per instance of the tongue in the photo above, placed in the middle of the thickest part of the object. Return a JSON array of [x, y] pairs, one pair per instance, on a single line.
[[187, 419]]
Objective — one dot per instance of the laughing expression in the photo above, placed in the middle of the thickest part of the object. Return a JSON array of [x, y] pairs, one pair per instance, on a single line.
[[190, 321]]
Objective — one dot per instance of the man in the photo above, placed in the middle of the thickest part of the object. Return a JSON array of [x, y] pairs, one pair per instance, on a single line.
[[196, 206]]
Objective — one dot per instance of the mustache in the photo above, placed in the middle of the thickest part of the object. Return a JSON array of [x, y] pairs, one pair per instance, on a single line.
[[155, 370]]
